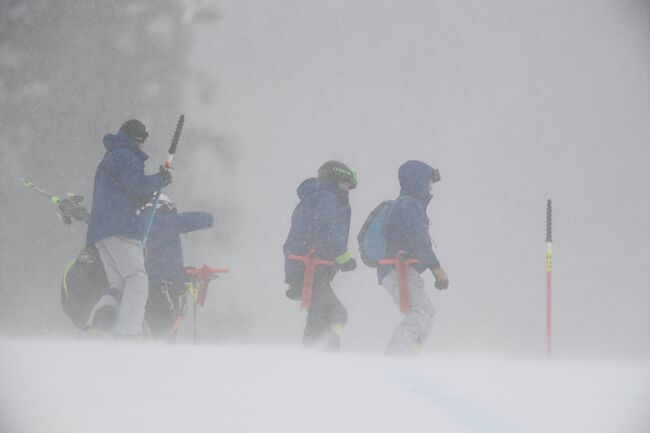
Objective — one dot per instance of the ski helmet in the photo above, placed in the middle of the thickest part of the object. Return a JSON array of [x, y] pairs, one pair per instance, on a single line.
[[165, 205], [135, 129], [337, 172]]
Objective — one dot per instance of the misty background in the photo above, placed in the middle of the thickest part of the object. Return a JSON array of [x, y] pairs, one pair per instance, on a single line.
[[514, 101]]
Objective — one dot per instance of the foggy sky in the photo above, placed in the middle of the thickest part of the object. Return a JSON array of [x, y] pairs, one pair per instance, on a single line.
[[514, 102]]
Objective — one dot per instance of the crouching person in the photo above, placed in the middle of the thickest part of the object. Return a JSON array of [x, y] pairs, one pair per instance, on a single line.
[[164, 263]]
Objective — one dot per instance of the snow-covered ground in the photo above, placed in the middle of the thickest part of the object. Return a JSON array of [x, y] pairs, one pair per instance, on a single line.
[[85, 386]]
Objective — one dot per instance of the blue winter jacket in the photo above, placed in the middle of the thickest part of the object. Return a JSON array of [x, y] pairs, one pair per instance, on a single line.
[[321, 221], [120, 185], [164, 260], [408, 226]]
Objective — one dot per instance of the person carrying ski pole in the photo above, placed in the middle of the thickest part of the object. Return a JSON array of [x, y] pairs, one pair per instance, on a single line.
[[407, 238], [120, 189], [84, 281], [317, 247], [164, 261]]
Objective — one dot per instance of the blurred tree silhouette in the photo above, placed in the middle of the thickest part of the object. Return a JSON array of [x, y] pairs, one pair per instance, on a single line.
[[70, 71]]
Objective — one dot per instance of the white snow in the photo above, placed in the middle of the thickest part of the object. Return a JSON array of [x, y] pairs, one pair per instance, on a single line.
[[86, 386]]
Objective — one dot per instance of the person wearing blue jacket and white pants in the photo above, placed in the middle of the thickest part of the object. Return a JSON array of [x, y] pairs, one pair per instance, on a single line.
[[321, 221], [120, 190], [407, 229], [164, 261]]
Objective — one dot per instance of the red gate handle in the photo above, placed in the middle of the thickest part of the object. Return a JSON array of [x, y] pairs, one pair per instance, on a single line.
[[205, 274], [401, 265], [310, 270]]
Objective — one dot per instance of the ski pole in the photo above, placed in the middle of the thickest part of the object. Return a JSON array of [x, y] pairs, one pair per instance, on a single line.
[[168, 164], [549, 270], [29, 184], [175, 325], [194, 320], [68, 207]]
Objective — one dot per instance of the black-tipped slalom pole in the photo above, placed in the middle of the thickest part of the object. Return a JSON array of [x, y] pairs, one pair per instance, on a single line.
[[549, 270], [168, 164]]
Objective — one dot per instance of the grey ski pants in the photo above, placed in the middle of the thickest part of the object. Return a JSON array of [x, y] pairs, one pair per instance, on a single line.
[[412, 331], [123, 261]]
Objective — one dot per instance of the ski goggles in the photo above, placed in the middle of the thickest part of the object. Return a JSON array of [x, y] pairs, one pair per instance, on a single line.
[[435, 177], [350, 175], [142, 137]]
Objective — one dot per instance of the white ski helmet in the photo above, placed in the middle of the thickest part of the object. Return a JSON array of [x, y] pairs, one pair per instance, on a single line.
[[164, 204]]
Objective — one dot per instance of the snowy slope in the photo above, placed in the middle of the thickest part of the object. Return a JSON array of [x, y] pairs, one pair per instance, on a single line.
[[82, 387]]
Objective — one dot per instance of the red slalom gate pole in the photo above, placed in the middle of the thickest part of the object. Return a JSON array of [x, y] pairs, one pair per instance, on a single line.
[[310, 269], [401, 265], [549, 271], [207, 274], [202, 276]]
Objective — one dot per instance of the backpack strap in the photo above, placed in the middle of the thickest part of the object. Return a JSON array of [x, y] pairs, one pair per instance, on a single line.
[[389, 212]]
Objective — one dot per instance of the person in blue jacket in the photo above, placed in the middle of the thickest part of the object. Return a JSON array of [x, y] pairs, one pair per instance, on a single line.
[[120, 189], [164, 261], [407, 229], [321, 221]]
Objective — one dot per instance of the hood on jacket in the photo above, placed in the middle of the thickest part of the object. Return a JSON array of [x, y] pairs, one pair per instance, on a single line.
[[311, 185], [115, 141], [414, 177]]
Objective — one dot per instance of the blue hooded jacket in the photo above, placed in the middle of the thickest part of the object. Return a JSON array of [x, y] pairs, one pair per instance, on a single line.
[[164, 260], [321, 221], [408, 226], [120, 185]]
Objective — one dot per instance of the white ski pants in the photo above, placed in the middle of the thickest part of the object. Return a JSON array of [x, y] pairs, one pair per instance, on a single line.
[[123, 261], [412, 331]]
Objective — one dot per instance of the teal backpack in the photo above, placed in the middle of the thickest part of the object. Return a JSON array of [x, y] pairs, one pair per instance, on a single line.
[[372, 237]]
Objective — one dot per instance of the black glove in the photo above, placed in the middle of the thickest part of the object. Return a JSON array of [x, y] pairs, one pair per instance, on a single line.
[[65, 217], [295, 282], [348, 266], [167, 174], [294, 292], [70, 208], [79, 213], [442, 282]]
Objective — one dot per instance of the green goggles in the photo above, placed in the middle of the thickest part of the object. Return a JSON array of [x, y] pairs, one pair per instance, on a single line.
[[351, 175]]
